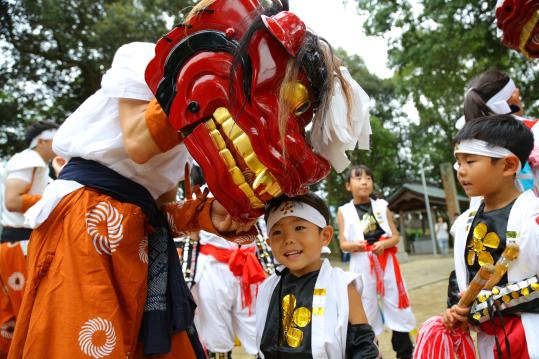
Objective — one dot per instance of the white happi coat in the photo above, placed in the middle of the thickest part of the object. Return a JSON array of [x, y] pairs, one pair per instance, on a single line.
[[220, 314], [523, 222], [387, 312], [329, 323], [359, 261]]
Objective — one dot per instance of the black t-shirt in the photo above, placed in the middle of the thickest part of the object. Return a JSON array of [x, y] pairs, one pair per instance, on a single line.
[[486, 239], [372, 231], [287, 333]]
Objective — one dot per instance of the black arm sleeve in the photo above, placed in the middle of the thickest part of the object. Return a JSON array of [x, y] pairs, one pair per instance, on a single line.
[[529, 307], [360, 342], [452, 290]]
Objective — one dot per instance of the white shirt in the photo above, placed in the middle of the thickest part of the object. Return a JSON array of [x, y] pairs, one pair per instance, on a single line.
[[441, 230], [93, 132], [27, 166]]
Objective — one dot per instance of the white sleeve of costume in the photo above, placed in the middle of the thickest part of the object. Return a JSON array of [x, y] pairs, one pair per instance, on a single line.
[[458, 223], [529, 241], [125, 78], [355, 278], [24, 174]]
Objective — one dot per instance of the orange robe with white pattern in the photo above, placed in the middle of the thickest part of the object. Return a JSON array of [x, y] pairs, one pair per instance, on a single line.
[[87, 279], [12, 280]]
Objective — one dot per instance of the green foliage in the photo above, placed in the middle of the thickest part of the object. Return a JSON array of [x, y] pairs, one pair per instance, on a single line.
[[436, 48], [55, 52]]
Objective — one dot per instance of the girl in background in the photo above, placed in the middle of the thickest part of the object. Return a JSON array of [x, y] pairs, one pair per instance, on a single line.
[[367, 229]]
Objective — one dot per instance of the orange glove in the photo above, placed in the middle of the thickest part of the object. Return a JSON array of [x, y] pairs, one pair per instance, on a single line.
[[193, 215], [28, 200], [162, 132]]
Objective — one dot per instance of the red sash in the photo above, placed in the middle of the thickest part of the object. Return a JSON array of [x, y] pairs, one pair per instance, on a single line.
[[378, 266], [243, 263], [515, 335]]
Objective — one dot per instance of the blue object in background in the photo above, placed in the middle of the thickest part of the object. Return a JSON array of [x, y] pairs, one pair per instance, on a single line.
[[345, 257], [525, 178]]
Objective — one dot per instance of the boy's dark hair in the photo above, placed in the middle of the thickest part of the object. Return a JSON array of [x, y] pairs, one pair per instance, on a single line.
[[36, 128], [357, 170], [481, 89], [500, 130], [308, 198]]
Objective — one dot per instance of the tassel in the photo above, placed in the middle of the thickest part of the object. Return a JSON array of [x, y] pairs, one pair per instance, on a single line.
[[434, 341]]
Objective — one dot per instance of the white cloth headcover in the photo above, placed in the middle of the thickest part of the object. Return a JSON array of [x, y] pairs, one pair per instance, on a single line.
[[483, 148], [334, 135], [45, 135], [295, 209], [497, 103]]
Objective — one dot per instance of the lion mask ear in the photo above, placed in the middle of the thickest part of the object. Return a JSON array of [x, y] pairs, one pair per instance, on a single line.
[[288, 29]]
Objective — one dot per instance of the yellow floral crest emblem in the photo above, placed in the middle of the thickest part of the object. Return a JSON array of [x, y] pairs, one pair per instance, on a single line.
[[293, 319], [481, 240]]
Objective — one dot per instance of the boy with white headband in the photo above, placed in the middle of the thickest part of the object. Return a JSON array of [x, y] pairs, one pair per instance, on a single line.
[[26, 179], [308, 308], [490, 151]]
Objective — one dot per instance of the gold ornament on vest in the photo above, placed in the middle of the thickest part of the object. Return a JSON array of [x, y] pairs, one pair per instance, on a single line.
[[481, 240], [368, 222], [293, 319]]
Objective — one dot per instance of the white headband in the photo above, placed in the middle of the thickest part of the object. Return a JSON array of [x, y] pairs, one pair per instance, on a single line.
[[483, 148], [296, 209], [45, 135], [498, 103]]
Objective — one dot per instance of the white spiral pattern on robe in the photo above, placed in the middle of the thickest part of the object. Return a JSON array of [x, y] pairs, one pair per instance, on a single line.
[[107, 216], [244, 239], [16, 281], [86, 335], [7, 329], [143, 250]]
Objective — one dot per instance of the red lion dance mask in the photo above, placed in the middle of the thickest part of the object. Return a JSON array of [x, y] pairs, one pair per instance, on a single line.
[[218, 76], [519, 22]]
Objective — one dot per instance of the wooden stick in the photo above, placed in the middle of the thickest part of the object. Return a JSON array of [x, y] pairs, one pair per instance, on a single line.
[[509, 254], [476, 285]]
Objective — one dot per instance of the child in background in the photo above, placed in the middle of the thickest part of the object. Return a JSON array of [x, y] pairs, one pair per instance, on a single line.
[[366, 229], [308, 308], [442, 236]]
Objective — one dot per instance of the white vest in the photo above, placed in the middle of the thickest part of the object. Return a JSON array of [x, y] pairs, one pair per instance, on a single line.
[[359, 261], [329, 311], [214, 240], [522, 221], [27, 159]]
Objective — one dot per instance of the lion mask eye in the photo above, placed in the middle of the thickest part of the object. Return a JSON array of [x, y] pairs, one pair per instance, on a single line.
[[298, 98]]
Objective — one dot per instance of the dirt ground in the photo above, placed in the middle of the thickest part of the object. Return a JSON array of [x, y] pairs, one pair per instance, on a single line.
[[426, 279]]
